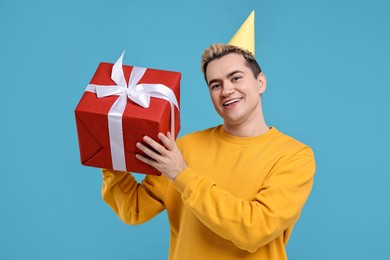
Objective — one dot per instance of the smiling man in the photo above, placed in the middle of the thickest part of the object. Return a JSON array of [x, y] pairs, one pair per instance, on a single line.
[[233, 191], [236, 83]]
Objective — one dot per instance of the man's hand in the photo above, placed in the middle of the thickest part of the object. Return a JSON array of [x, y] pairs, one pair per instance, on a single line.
[[166, 158]]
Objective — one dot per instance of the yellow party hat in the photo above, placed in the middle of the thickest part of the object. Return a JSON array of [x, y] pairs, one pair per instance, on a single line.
[[245, 35]]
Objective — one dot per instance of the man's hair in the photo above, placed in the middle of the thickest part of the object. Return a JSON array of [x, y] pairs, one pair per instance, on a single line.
[[218, 50]]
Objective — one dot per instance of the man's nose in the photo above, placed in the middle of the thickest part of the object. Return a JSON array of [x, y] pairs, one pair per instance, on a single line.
[[227, 89]]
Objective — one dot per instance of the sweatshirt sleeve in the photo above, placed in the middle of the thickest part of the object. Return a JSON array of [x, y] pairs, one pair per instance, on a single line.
[[134, 203], [251, 224]]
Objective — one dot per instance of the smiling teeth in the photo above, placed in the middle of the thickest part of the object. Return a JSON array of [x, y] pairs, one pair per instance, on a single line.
[[232, 101]]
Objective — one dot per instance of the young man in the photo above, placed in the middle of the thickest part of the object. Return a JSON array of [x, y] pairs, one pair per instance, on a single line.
[[234, 191]]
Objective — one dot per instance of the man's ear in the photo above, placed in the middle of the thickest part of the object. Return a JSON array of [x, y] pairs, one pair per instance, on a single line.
[[262, 82]]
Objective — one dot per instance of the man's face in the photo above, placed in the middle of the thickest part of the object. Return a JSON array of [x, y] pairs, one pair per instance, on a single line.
[[234, 91]]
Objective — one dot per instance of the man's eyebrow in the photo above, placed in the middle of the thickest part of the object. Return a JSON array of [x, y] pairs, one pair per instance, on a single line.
[[212, 81], [228, 76], [234, 72]]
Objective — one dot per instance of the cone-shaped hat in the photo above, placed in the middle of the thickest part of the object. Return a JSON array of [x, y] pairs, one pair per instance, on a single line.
[[245, 35]]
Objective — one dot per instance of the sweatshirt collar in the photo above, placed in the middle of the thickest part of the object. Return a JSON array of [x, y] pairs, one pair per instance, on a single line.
[[246, 140]]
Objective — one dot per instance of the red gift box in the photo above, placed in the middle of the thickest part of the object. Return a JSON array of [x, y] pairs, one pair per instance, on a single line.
[[93, 124]]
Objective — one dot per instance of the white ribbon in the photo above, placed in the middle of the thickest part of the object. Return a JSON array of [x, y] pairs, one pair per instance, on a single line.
[[138, 93]]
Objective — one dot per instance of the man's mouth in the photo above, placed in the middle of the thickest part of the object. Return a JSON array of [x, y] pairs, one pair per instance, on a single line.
[[230, 102]]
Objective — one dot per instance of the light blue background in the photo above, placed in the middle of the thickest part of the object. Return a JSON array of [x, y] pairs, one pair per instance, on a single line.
[[327, 64]]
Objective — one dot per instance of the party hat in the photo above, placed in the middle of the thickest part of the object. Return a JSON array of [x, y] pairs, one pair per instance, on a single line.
[[245, 35]]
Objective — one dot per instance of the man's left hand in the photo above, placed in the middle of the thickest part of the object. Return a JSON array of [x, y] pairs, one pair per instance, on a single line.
[[166, 158]]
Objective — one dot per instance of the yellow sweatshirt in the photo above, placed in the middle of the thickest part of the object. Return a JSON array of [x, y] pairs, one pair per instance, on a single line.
[[239, 198]]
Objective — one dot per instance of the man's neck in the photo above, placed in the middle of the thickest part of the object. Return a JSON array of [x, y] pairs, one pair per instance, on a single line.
[[254, 128]]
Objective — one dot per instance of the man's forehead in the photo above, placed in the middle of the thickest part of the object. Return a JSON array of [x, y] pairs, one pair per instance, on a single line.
[[226, 65]]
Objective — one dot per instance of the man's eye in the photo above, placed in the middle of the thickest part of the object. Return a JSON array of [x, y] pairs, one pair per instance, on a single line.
[[214, 86], [236, 78]]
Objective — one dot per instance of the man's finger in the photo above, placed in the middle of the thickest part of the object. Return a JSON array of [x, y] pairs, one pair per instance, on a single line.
[[166, 141], [146, 160], [155, 145], [152, 154]]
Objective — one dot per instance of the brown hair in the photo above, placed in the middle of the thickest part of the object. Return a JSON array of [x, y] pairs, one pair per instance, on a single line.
[[218, 50]]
